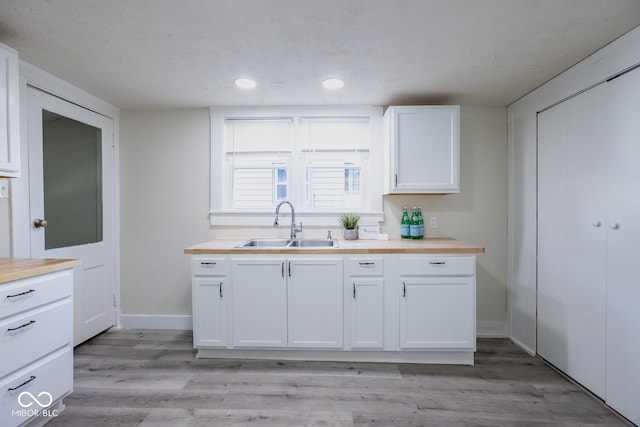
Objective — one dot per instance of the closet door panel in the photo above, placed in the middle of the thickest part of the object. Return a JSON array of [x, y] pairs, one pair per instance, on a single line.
[[552, 235], [623, 222], [586, 238]]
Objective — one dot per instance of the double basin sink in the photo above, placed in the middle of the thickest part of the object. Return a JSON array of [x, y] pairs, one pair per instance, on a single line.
[[288, 243]]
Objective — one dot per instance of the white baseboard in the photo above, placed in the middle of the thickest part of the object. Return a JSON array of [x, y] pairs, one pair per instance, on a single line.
[[152, 321], [492, 329]]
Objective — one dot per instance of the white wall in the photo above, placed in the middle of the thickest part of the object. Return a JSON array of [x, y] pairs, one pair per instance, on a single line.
[[617, 56], [164, 175]]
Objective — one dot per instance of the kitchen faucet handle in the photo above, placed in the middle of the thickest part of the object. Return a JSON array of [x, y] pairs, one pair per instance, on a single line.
[[329, 235]]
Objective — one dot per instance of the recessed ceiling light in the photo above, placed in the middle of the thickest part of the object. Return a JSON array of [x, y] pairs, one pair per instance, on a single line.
[[332, 83], [245, 83]]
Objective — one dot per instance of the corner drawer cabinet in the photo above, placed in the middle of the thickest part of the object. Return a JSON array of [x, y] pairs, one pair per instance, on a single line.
[[210, 293], [36, 335]]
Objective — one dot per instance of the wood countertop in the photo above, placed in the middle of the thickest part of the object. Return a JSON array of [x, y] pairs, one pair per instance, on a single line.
[[21, 268], [441, 245]]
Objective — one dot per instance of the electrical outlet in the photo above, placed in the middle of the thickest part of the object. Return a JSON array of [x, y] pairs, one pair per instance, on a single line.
[[433, 222], [4, 188]]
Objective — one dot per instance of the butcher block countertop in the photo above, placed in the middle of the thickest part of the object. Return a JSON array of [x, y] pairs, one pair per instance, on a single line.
[[440, 245], [21, 268]]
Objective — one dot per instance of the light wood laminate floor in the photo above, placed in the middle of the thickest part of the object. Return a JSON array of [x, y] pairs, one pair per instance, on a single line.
[[152, 378]]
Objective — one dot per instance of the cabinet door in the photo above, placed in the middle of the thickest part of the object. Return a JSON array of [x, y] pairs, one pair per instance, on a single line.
[[623, 233], [425, 145], [367, 312], [315, 302], [259, 302], [209, 311], [437, 312], [9, 110]]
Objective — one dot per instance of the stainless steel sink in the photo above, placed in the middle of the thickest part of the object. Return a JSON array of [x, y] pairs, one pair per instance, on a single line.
[[288, 243], [314, 243], [264, 243]]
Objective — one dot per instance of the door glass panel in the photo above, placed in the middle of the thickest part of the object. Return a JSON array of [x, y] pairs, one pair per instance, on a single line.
[[72, 174]]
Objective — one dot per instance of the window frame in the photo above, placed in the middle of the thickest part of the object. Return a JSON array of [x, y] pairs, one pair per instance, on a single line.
[[220, 181]]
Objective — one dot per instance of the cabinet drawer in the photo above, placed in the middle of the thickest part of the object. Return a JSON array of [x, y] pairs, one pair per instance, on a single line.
[[26, 294], [208, 266], [50, 376], [366, 266], [438, 266], [28, 336]]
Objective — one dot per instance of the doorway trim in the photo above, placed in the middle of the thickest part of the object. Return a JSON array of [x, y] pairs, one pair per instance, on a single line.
[[20, 209]]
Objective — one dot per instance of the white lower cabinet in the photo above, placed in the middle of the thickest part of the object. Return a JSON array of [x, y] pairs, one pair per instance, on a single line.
[[259, 309], [364, 286], [210, 311], [389, 307], [209, 296], [437, 302], [315, 302]]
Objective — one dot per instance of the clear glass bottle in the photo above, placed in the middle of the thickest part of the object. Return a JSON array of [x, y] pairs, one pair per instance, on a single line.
[[405, 224]]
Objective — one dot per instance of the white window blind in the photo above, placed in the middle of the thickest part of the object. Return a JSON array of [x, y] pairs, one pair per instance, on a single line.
[[318, 158]]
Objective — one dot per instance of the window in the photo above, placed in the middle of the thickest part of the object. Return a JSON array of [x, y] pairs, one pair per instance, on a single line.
[[319, 158]]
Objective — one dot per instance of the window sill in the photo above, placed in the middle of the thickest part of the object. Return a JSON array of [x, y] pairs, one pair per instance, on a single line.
[[265, 219]]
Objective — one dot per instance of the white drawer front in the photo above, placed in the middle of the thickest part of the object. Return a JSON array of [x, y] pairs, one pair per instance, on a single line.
[[28, 336], [208, 266], [25, 294], [438, 266], [50, 376], [366, 266]]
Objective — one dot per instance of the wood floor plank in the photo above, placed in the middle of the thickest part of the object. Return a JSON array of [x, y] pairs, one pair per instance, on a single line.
[[152, 378]]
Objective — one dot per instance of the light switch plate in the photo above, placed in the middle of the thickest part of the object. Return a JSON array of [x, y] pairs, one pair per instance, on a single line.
[[433, 222], [4, 188]]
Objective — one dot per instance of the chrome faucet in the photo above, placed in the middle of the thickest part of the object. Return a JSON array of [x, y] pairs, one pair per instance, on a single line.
[[294, 229]]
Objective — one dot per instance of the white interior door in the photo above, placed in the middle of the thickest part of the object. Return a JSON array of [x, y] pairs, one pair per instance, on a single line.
[[71, 190]]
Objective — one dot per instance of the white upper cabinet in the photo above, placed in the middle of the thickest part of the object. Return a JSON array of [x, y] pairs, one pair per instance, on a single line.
[[9, 110], [423, 147]]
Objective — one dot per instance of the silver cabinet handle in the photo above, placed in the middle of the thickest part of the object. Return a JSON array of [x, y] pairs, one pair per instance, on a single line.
[[437, 263], [614, 226], [40, 223], [220, 289], [597, 223], [207, 264], [354, 291], [404, 290], [367, 264]]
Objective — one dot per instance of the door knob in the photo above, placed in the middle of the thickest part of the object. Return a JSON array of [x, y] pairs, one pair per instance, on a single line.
[[39, 223]]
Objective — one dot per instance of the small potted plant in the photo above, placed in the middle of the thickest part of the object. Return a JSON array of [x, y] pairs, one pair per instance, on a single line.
[[349, 222]]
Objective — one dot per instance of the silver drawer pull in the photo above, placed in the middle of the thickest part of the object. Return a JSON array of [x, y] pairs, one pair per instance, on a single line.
[[437, 262], [207, 264], [33, 377], [29, 323], [367, 264], [21, 294]]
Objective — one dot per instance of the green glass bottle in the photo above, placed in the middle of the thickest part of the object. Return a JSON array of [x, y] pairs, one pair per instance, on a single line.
[[420, 224], [413, 223], [404, 225]]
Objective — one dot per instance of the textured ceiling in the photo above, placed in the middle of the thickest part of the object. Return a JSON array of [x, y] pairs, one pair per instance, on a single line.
[[186, 53]]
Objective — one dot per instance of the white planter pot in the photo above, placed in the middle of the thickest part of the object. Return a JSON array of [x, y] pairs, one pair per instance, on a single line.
[[350, 234]]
